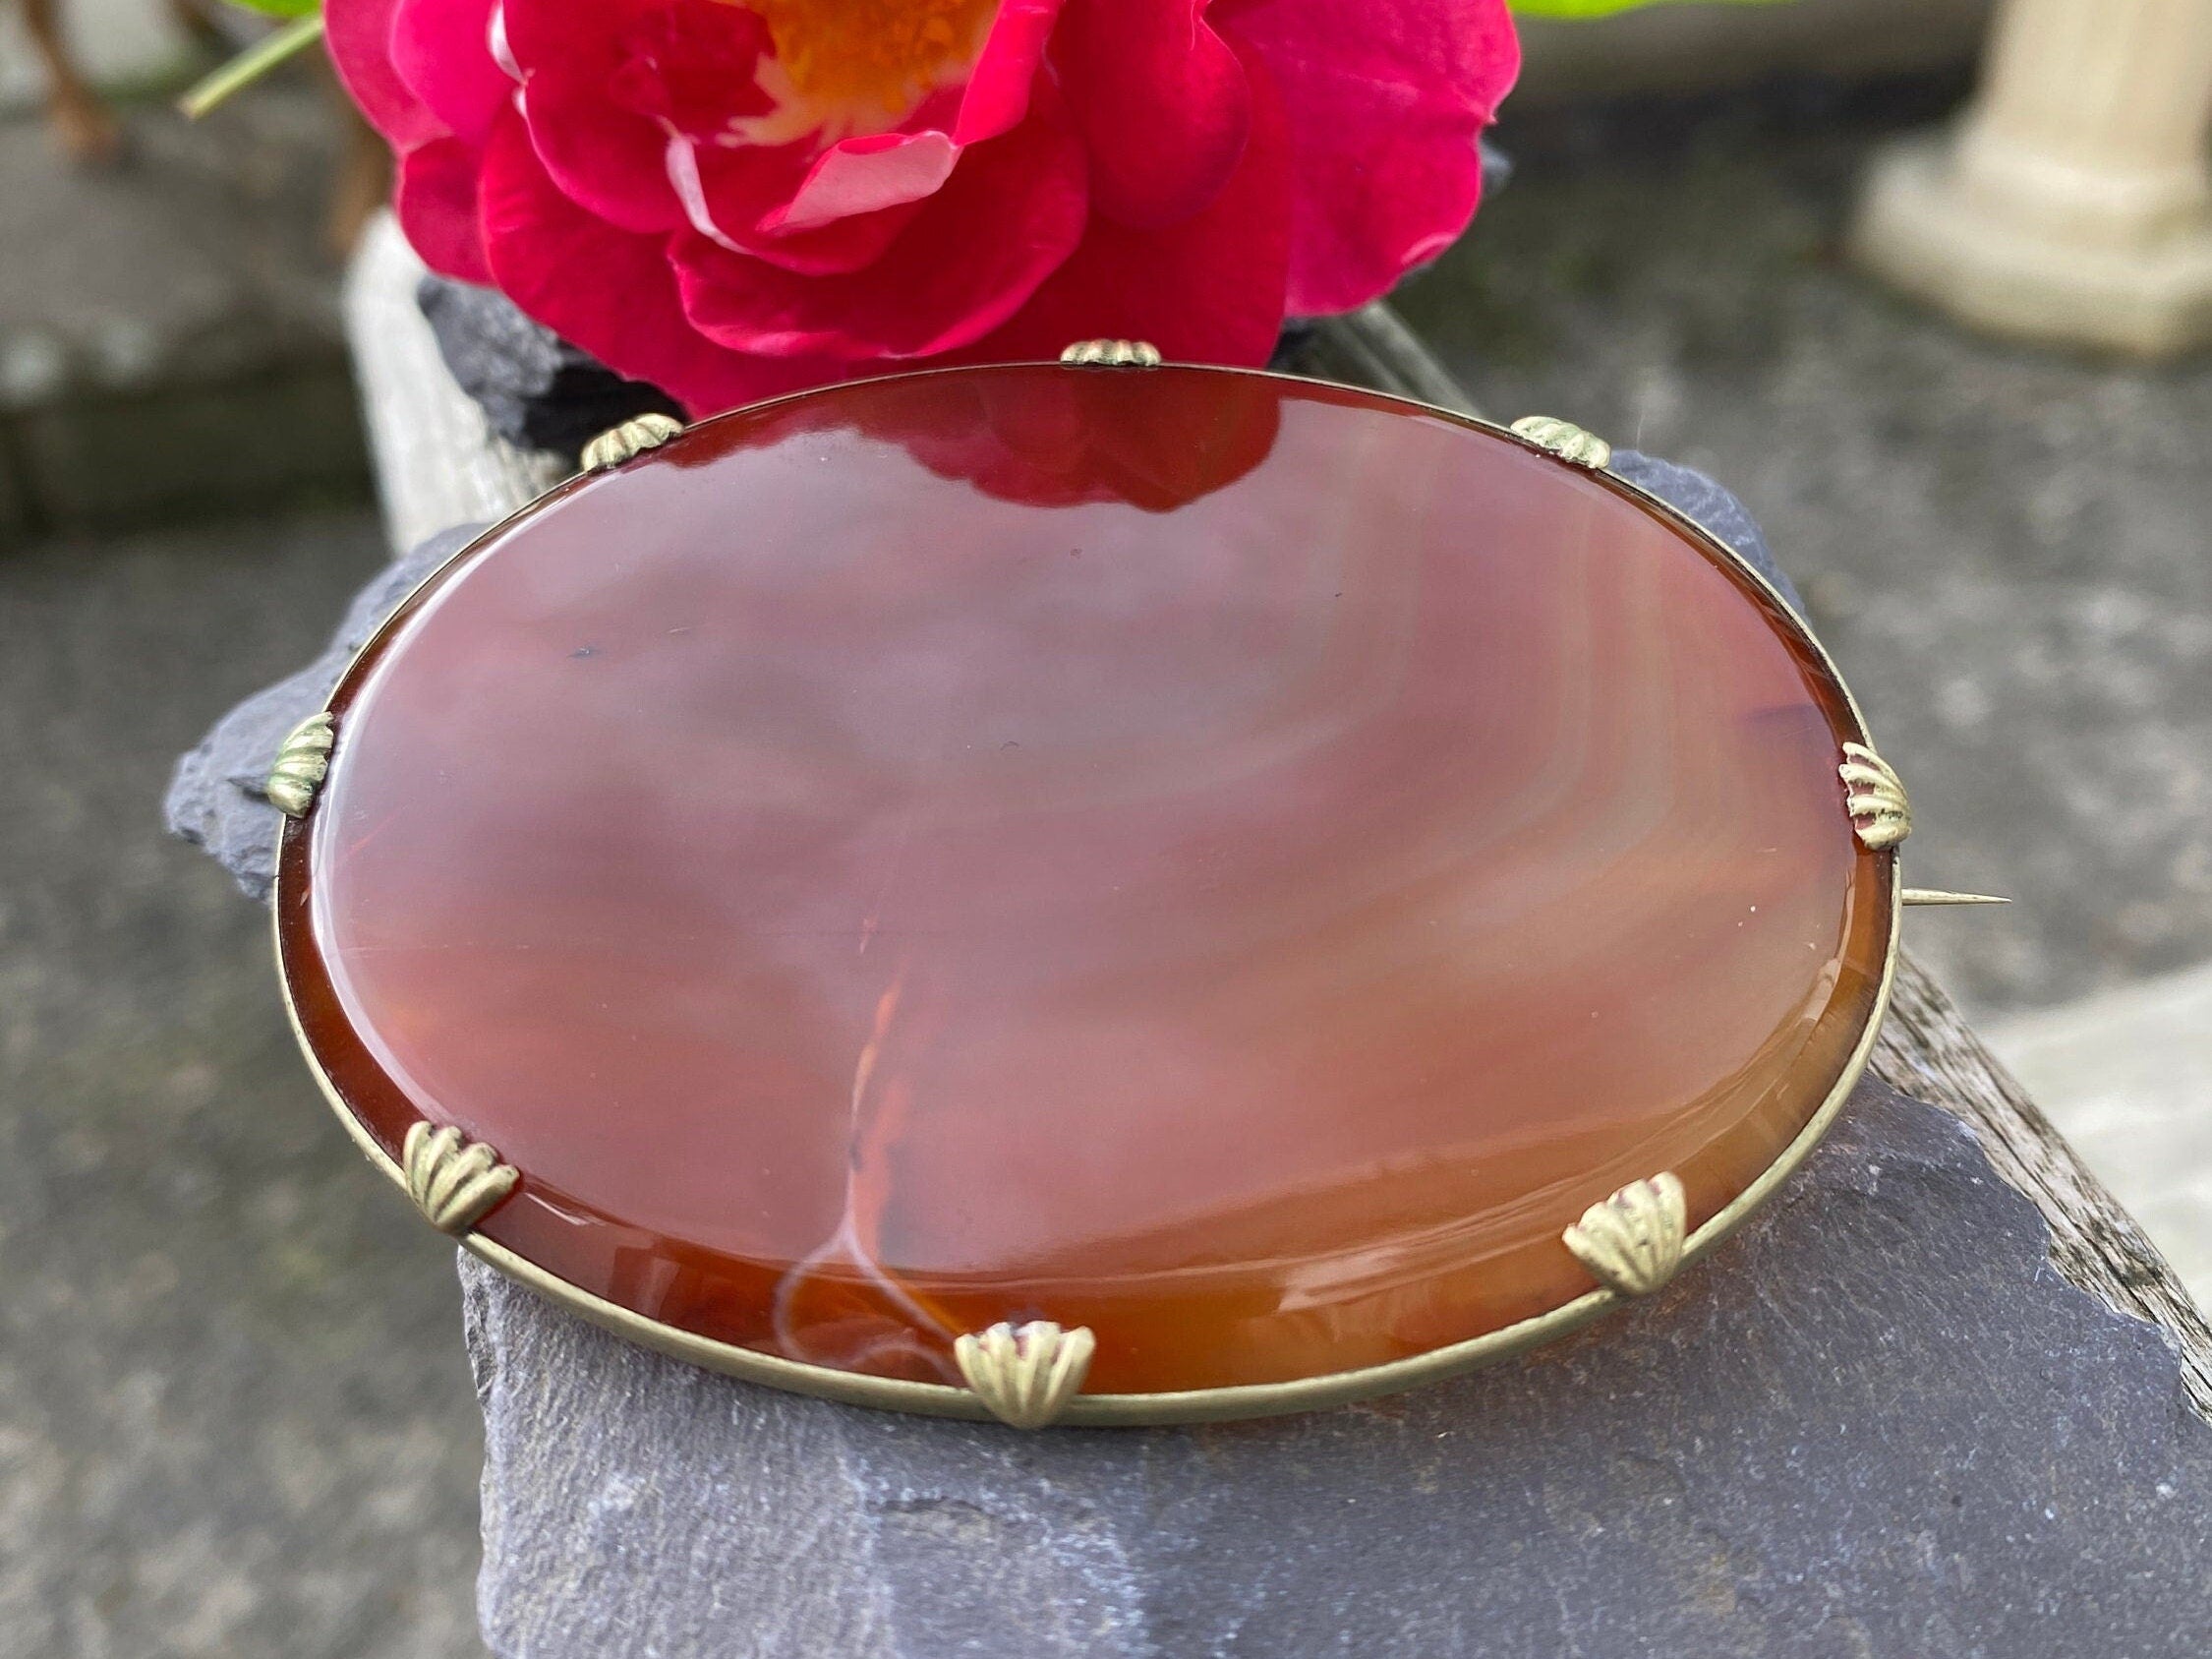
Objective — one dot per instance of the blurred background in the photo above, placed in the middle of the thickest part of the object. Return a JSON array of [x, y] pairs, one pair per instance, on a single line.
[[235, 1417]]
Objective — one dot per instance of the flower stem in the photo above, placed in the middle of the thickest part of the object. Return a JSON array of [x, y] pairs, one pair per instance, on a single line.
[[252, 64]]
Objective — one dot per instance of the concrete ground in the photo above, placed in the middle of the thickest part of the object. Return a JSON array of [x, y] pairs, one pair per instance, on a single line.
[[169, 336], [234, 1417]]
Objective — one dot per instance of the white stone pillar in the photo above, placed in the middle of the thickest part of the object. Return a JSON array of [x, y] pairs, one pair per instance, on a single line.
[[2074, 202]]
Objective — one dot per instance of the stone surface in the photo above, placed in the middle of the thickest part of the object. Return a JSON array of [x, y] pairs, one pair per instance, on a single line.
[[215, 798], [235, 1420], [2128, 1072], [123, 45], [1673, 50], [169, 340], [535, 388], [833, 919], [2071, 202], [1873, 1425]]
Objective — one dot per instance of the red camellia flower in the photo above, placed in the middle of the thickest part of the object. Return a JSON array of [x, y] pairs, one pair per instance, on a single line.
[[736, 198]]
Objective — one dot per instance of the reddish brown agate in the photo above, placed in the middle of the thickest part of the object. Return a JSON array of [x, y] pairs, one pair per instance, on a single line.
[[1236, 865]]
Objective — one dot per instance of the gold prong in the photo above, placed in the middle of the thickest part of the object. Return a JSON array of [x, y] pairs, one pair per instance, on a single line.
[[1937, 896], [1025, 1376], [301, 765], [1633, 1240], [1875, 798], [1567, 441], [1113, 354], [632, 437], [454, 1181]]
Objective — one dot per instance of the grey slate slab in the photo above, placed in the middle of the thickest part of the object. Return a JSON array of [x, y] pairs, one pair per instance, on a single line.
[[536, 389], [1878, 1423]]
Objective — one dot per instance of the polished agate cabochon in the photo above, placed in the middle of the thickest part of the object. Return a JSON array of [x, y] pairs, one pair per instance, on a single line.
[[1235, 863]]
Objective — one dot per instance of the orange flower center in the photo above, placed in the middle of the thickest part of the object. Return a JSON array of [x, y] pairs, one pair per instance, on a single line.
[[862, 57]]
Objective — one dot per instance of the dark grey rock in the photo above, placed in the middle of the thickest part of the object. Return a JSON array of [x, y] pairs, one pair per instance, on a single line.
[[1876, 1425], [1711, 507], [536, 389], [215, 798]]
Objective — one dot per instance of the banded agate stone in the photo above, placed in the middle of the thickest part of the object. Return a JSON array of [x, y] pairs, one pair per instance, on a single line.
[[1235, 863]]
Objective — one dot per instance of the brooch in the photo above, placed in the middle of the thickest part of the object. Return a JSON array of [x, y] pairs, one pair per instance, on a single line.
[[1099, 892]]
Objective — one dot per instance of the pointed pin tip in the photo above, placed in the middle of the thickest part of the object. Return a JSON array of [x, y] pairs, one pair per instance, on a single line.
[[1937, 896]]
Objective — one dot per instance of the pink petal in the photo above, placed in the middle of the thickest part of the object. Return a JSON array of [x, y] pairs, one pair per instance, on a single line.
[[434, 199], [442, 50], [1012, 211], [625, 100], [608, 153], [865, 176], [1161, 101], [1208, 290], [610, 292], [1385, 108], [997, 96], [359, 35], [732, 195]]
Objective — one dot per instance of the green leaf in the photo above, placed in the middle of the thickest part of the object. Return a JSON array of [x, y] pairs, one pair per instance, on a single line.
[[1596, 8], [282, 8]]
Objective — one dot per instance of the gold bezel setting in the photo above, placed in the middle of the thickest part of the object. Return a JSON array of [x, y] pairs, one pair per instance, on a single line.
[[1633, 1242]]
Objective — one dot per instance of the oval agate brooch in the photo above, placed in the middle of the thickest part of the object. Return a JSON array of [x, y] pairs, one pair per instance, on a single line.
[[1093, 892]]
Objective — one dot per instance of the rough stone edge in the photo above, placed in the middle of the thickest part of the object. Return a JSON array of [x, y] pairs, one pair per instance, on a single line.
[[215, 798], [1926, 1050]]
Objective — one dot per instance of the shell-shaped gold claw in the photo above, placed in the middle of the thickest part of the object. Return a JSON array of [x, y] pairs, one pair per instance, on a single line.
[[1633, 1240], [632, 437], [1876, 798], [1025, 1375], [301, 765], [454, 1181], [1567, 441], [1113, 354]]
